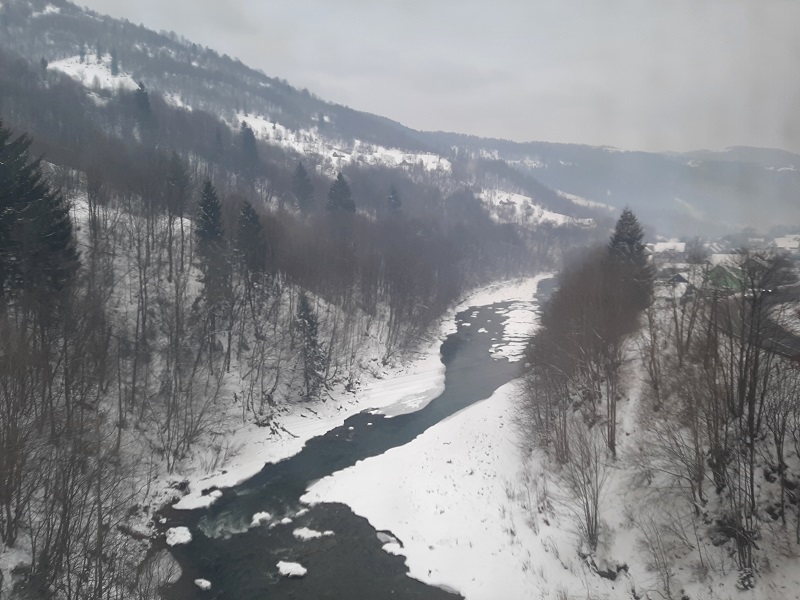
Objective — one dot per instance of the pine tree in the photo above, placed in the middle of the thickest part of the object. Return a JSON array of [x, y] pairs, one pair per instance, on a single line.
[[209, 231], [339, 196], [37, 246], [303, 189], [251, 244], [627, 249], [177, 192], [249, 149], [311, 353], [142, 100], [626, 241], [212, 251]]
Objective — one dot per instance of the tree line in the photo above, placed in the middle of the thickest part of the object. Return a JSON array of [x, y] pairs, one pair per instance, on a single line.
[[718, 416]]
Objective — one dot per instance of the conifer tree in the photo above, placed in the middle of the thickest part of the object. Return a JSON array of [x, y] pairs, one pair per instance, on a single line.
[[37, 247], [250, 241], [626, 241], [210, 235], [177, 192], [142, 100], [249, 149], [311, 353], [339, 196], [627, 249], [303, 189], [212, 251]]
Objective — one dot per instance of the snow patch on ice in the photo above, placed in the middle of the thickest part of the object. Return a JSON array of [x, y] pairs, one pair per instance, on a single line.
[[304, 533], [260, 518], [203, 584], [291, 569], [178, 535], [197, 500]]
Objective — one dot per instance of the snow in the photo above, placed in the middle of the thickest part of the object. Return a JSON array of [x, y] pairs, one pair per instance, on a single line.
[[192, 502], [92, 72], [260, 518], [517, 208], [338, 152], [10, 558], [178, 535], [445, 496], [789, 242], [291, 569], [304, 533], [48, 10], [203, 584], [670, 246], [391, 392]]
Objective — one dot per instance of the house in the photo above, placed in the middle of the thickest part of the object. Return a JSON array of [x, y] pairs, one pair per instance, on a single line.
[[667, 252], [725, 278], [790, 244]]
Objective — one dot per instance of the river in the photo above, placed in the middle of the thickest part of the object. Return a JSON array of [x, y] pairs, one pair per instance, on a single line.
[[240, 560]]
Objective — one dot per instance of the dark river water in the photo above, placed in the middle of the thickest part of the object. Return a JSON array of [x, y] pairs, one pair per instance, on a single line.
[[240, 561]]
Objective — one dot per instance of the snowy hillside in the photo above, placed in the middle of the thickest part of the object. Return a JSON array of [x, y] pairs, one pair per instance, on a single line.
[[517, 208], [94, 73]]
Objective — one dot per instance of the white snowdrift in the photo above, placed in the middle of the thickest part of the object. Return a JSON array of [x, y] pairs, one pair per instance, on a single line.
[[178, 535], [304, 533], [203, 584], [260, 518], [291, 569], [192, 501]]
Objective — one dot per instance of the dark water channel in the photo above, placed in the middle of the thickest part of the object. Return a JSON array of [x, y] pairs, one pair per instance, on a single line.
[[240, 561]]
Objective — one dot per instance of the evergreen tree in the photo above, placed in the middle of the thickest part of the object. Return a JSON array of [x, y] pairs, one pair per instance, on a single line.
[[177, 193], [250, 241], [395, 204], [311, 353], [37, 247], [303, 189], [209, 231], [339, 196], [626, 241], [142, 101], [212, 252], [627, 249], [249, 149]]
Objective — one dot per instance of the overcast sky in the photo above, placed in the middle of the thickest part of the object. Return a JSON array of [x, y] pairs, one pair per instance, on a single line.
[[636, 74]]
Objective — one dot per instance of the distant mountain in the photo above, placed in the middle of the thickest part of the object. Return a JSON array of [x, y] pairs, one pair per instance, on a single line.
[[698, 192]]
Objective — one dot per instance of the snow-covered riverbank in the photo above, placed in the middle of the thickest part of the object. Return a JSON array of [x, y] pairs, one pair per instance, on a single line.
[[388, 390]]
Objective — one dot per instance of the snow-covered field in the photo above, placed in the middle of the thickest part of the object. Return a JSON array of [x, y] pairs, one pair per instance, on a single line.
[[92, 72], [517, 208], [311, 141]]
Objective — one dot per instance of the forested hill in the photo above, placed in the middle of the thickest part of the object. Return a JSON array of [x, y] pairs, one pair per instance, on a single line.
[[700, 192]]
